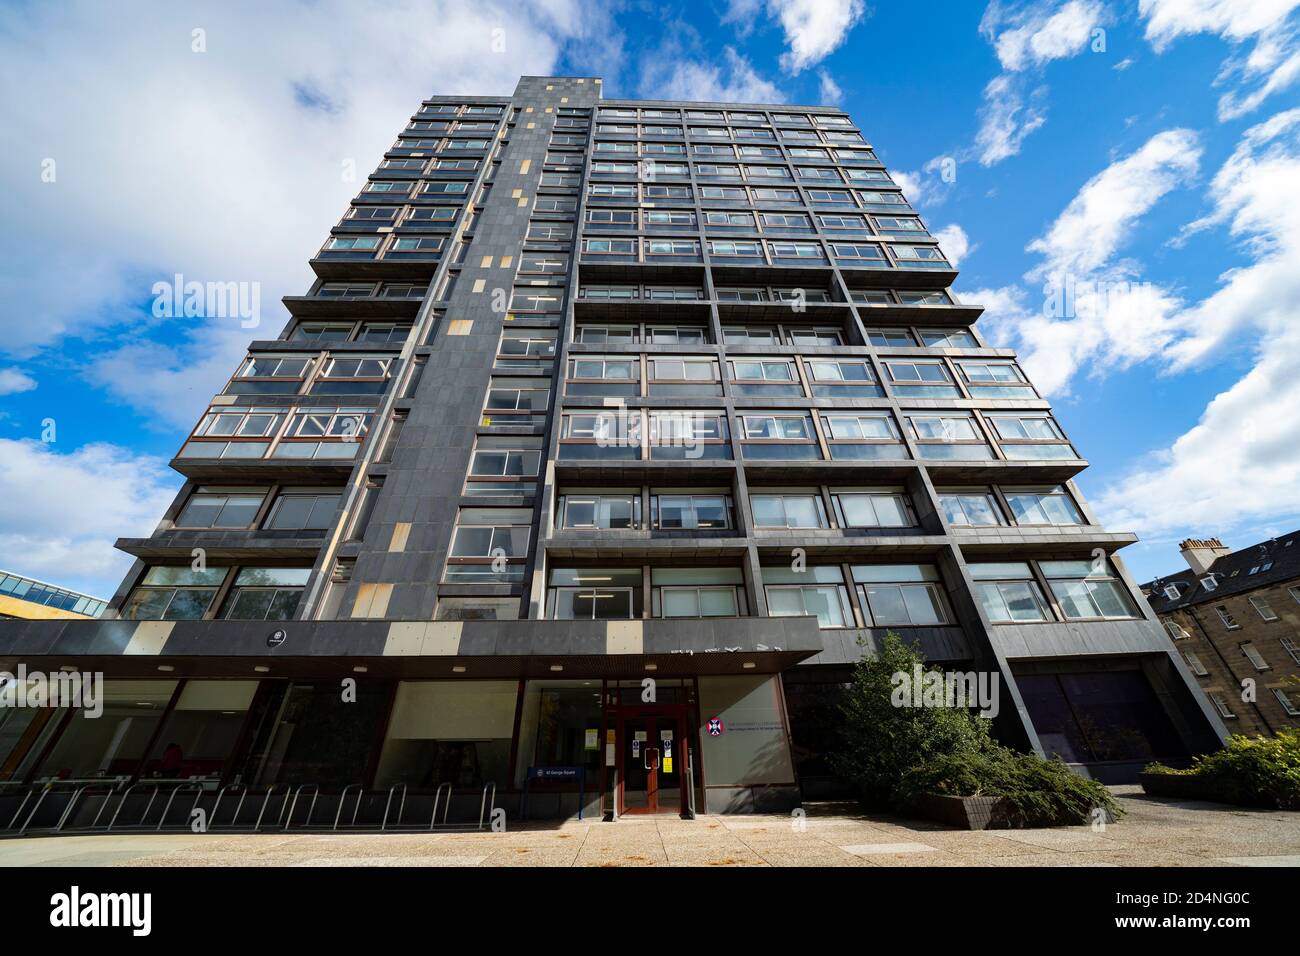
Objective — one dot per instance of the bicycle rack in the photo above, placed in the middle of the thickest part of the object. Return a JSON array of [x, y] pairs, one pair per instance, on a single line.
[[343, 798], [446, 808], [19, 812], [216, 805], [393, 818], [45, 791], [483, 804], [389, 803], [94, 824], [72, 804], [196, 788], [122, 803], [267, 802], [315, 793]]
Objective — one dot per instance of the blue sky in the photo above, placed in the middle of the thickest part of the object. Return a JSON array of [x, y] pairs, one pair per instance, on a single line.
[[1150, 148]]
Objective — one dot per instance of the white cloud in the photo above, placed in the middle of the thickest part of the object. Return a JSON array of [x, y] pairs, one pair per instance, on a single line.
[[1116, 328], [1024, 37], [13, 381], [954, 242], [1102, 215], [1092, 313], [1240, 462], [1167, 20], [1257, 196], [674, 76], [1123, 64], [1006, 119], [60, 513], [813, 28], [224, 165], [911, 183], [1271, 65], [831, 94], [1041, 35]]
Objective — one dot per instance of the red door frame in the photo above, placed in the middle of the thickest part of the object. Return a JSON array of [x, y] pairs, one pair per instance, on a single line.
[[676, 713]]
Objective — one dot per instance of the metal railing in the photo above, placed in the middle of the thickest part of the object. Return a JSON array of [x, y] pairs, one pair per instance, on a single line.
[[127, 807]]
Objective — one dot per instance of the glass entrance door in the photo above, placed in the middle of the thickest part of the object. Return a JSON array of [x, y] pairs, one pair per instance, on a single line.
[[651, 760]]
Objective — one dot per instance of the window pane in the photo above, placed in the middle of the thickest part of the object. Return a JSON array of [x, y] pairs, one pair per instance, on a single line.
[[887, 605], [190, 604]]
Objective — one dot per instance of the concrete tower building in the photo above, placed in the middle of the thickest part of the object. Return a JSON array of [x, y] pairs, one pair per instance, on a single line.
[[610, 434]]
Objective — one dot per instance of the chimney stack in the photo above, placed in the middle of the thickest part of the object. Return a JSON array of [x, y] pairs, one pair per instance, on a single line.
[[1201, 553]]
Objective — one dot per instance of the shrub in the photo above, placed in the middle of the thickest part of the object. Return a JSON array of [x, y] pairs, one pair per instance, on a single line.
[[896, 754], [883, 742], [1251, 771], [1036, 792]]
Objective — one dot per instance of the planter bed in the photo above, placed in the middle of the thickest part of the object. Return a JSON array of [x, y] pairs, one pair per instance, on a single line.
[[1192, 787]]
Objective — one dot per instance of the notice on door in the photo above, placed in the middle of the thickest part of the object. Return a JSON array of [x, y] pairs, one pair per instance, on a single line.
[[592, 739]]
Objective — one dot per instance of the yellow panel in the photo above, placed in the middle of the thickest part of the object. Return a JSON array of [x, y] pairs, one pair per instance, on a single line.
[[460, 326], [487, 262], [27, 611], [401, 532], [523, 167], [480, 285]]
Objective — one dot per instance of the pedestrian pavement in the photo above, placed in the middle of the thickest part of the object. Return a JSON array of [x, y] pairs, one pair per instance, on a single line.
[[1154, 832]]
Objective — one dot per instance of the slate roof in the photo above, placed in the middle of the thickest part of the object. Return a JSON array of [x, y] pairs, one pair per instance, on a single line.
[[1256, 566]]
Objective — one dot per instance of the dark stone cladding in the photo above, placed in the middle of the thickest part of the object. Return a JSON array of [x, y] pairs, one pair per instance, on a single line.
[[456, 336], [485, 648]]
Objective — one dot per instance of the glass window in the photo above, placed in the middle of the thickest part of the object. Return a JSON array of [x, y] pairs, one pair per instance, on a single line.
[[691, 512], [891, 338], [266, 594], [114, 744], [874, 509], [788, 510], [1008, 593], [970, 509], [173, 594], [817, 591], [901, 594], [559, 726], [303, 509], [1046, 506], [455, 732], [595, 594], [1087, 589], [221, 508], [607, 511], [200, 733], [697, 592]]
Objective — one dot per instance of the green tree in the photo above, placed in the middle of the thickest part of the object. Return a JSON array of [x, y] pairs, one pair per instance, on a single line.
[[883, 742]]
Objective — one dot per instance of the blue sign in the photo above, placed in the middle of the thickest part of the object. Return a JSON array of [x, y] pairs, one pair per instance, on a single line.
[[554, 773]]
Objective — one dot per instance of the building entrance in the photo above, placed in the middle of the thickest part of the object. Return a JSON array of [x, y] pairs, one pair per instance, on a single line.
[[652, 763]]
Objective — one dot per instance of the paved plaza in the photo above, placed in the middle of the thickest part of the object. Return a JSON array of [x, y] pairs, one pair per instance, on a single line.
[[1155, 832]]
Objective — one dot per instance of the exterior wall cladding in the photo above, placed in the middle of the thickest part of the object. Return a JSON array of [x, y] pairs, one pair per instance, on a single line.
[[589, 392]]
